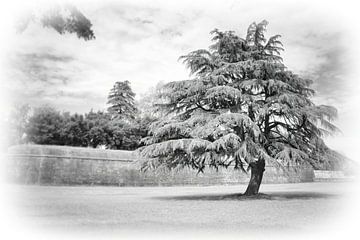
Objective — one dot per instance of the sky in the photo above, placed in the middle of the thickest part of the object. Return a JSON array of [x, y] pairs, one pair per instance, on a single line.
[[141, 41]]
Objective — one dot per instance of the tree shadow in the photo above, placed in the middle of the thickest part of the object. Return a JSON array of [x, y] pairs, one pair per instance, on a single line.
[[280, 196]]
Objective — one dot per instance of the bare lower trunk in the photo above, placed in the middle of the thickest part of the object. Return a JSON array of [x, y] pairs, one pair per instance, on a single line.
[[257, 171]]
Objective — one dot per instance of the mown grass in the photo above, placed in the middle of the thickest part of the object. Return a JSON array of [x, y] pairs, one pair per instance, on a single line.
[[280, 207]]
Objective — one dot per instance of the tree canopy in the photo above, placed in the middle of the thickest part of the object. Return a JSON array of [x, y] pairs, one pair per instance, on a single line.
[[242, 107], [45, 126], [121, 101]]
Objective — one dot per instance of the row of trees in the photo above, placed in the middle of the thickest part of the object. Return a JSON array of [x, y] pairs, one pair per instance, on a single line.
[[121, 127]]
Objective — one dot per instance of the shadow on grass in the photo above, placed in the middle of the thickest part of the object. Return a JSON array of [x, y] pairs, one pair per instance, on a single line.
[[261, 196]]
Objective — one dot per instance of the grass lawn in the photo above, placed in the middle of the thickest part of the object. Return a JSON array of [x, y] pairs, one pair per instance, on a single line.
[[213, 209]]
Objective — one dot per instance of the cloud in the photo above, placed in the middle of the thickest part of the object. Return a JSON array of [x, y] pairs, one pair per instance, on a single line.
[[142, 43], [46, 56], [170, 32], [124, 23], [316, 47], [45, 67], [326, 63]]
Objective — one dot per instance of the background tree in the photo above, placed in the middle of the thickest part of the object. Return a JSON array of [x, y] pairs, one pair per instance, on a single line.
[[97, 125], [147, 105], [45, 126], [148, 112], [121, 101], [75, 130], [242, 108], [123, 135]]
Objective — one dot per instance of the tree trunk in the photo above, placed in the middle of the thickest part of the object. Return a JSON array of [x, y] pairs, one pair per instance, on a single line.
[[257, 171]]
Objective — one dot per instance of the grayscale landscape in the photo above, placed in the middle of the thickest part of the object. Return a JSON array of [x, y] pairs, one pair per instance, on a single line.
[[158, 119]]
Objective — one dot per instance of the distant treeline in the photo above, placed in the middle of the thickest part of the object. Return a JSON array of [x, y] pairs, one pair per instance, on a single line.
[[46, 125], [122, 126]]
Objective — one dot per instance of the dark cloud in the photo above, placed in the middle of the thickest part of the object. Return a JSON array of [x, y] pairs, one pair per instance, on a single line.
[[63, 100], [122, 9], [54, 94], [140, 21], [330, 76], [39, 57], [125, 36], [125, 23], [42, 67], [144, 22], [170, 32], [133, 15], [331, 66]]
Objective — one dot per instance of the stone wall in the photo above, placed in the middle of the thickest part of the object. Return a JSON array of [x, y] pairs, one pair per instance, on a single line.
[[323, 175], [59, 165]]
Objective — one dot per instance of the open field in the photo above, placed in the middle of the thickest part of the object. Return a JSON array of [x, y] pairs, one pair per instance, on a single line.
[[111, 210]]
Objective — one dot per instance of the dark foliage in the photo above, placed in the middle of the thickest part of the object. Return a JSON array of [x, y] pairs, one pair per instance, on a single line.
[[94, 129], [45, 126]]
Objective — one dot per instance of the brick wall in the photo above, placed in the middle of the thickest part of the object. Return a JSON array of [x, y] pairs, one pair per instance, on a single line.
[[59, 165]]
